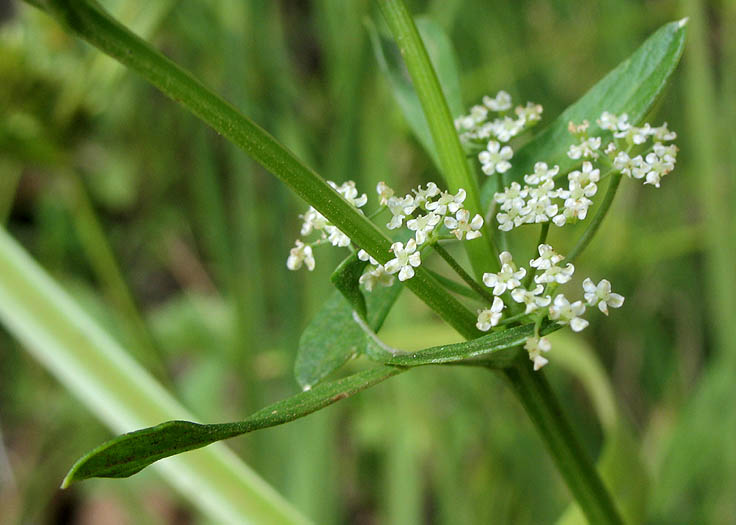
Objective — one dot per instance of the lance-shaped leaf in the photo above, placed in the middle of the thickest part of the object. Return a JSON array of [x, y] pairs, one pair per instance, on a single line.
[[494, 349], [132, 452], [632, 88]]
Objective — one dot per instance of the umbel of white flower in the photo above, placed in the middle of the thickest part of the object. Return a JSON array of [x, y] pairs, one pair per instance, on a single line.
[[407, 258], [541, 200]]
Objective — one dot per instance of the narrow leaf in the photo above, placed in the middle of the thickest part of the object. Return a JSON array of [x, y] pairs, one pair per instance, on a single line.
[[633, 88], [490, 347], [345, 278], [130, 453]]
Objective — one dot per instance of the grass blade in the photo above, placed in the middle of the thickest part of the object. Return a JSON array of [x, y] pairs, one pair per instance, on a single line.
[[124, 396]]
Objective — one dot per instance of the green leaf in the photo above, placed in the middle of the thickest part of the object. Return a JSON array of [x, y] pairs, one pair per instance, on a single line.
[[330, 340], [633, 88], [489, 347], [345, 278], [333, 337], [443, 59], [130, 453]]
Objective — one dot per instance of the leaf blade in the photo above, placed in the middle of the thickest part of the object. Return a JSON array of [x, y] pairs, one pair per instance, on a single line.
[[130, 453], [489, 346], [633, 87]]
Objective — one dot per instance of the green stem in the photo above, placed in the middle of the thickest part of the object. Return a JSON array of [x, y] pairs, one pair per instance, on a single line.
[[592, 228], [542, 239], [462, 273], [572, 460], [451, 155]]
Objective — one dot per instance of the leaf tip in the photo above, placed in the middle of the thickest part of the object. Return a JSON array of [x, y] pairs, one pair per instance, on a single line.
[[683, 22]]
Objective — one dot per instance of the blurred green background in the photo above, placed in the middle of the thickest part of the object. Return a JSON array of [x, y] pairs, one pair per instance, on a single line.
[[176, 242]]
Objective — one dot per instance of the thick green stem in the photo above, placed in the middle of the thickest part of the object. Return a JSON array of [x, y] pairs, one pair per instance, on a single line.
[[592, 228], [454, 164], [572, 460]]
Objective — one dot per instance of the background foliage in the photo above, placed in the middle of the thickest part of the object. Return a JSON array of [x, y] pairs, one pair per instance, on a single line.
[[176, 243]]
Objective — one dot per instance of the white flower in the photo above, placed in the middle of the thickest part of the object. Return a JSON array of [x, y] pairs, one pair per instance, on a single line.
[[384, 193], [511, 218], [365, 256], [478, 114], [495, 159], [399, 208], [547, 258], [501, 102], [336, 237], [423, 225], [313, 220], [601, 295], [447, 201], [512, 197], [423, 196], [635, 135], [462, 225], [490, 317], [507, 128], [541, 174], [529, 114], [585, 177], [555, 274], [587, 148], [300, 254], [507, 278], [407, 258], [611, 122], [535, 346], [663, 134], [576, 201], [350, 192], [564, 312], [610, 149], [540, 210], [531, 298], [374, 276], [626, 164], [656, 168]]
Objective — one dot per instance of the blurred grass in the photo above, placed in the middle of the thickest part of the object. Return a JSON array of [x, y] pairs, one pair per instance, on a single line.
[[182, 226]]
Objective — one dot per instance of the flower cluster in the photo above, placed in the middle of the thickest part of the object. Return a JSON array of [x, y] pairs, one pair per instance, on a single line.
[[536, 296], [424, 211], [477, 131], [540, 200], [315, 222]]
